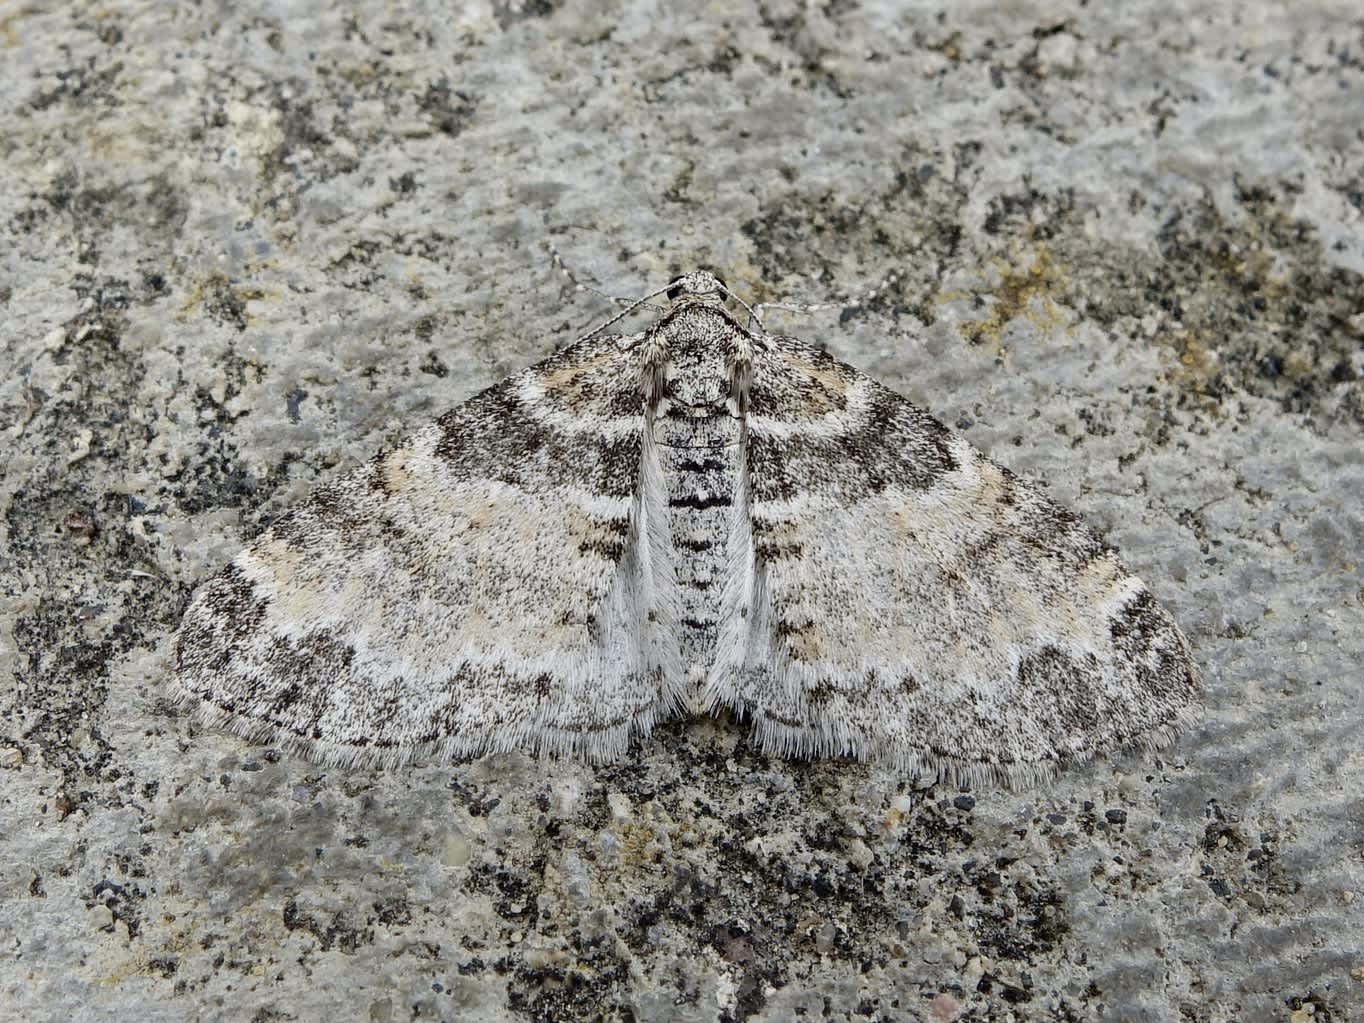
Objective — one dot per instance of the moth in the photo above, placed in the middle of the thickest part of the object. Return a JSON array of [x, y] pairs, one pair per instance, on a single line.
[[698, 517]]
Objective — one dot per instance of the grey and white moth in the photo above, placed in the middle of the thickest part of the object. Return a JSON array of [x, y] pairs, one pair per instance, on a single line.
[[700, 516]]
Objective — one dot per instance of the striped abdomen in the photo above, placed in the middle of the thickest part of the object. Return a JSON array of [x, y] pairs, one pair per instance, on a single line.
[[699, 457]]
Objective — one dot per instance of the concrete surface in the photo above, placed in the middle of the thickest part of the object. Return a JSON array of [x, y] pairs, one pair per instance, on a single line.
[[242, 246]]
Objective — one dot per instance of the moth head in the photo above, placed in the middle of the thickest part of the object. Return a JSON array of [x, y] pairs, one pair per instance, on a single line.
[[699, 284]]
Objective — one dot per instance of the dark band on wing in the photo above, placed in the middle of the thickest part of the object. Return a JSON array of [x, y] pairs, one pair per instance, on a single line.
[[896, 444], [495, 437]]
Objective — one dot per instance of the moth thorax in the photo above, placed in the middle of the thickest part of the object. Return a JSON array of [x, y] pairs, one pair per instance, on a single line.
[[699, 381]]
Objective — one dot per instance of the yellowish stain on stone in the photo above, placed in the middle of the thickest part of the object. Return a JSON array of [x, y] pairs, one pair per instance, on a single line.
[[639, 843], [176, 944], [1022, 291], [217, 287], [1199, 362]]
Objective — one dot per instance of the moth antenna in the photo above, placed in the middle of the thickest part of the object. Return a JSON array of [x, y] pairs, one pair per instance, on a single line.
[[847, 304], [581, 285]]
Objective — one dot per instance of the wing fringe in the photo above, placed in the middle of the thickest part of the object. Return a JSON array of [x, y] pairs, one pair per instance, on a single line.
[[601, 747], [774, 738]]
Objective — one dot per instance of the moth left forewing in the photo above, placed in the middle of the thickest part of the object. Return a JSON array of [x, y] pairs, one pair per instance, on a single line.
[[486, 584], [906, 599]]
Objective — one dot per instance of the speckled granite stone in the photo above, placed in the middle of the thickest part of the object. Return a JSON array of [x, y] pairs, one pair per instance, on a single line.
[[242, 246]]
